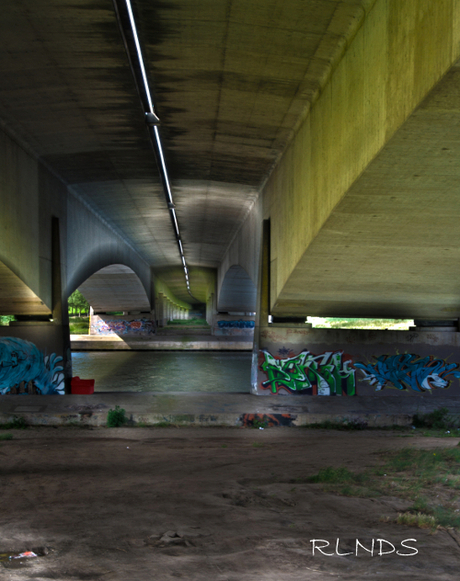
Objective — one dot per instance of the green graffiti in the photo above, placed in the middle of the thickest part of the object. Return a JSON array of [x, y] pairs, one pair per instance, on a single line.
[[326, 372]]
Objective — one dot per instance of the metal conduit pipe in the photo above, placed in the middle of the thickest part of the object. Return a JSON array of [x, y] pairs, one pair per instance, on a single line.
[[128, 30]]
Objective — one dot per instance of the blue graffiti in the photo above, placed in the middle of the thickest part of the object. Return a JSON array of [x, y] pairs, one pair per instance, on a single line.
[[237, 324], [409, 371], [22, 361]]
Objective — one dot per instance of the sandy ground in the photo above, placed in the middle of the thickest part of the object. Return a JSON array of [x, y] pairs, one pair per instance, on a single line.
[[220, 504]]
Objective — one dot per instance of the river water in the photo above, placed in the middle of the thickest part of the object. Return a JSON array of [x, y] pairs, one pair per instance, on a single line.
[[165, 371]]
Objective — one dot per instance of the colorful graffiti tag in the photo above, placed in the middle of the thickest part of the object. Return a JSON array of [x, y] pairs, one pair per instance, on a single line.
[[236, 324], [409, 371], [122, 327], [329, 373], [21, 361]]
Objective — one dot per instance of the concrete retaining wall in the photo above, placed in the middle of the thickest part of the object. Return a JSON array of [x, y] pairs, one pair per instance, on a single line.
[[295, 359]]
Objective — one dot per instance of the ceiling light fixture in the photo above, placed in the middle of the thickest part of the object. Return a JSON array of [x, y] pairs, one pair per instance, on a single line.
[[151, 118]]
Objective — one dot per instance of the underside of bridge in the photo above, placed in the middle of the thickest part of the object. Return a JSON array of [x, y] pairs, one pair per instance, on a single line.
[[335, 119]]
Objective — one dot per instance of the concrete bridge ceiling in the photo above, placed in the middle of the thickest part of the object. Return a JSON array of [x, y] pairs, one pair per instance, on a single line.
[[390, 248], [230, 80]]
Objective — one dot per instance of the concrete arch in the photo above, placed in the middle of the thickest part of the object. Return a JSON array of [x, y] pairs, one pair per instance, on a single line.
[[237, 292], [16, 298], [105, 256], [115, 288]]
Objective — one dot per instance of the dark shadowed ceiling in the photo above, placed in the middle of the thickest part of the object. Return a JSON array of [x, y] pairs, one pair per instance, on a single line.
[[230, 80]]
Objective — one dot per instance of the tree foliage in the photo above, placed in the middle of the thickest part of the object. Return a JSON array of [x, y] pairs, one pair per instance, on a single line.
[[78, 303]]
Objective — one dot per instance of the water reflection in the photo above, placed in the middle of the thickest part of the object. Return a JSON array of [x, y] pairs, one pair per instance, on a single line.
[[164, 371]]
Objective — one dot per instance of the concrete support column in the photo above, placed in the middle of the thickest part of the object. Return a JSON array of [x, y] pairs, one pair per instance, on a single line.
[[263, 303], [161, 310]]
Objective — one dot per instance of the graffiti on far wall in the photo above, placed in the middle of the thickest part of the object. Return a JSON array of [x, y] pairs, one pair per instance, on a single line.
[[409, 372], [122, 327], [21, 361], [329, 373], [236, 324]]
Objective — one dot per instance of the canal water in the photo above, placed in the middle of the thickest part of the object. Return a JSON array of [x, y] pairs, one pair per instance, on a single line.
[[165, 371]]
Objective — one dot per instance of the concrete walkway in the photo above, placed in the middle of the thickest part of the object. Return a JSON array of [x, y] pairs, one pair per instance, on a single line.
[[178, 342], [228, 409]]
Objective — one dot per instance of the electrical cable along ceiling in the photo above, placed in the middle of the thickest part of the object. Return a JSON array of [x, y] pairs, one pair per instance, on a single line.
[[128, 29]]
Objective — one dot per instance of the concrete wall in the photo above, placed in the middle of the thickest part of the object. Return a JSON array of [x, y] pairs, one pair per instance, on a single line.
[[29, 196], [400, 52], [295, 359], [233, 326], [123, 326]]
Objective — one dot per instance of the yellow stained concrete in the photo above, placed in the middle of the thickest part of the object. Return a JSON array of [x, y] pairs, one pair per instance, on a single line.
[[400, 52]]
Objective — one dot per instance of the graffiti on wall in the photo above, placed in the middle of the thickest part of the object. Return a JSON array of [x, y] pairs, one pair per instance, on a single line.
[[329, 373], [409, 372], [236, 324], [21, 361], [122, 327]]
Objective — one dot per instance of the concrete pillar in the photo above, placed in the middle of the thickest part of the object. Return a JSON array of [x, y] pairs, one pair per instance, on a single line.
[[161, 310], [263, 303], [60, 305]]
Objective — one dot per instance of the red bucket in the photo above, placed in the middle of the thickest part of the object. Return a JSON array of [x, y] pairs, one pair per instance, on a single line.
[[81, 386]]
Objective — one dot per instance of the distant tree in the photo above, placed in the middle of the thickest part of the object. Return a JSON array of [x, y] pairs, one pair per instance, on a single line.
[[5, 319], [78, 303]]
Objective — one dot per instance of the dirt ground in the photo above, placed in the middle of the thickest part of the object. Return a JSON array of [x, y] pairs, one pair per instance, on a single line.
[[223, 504]]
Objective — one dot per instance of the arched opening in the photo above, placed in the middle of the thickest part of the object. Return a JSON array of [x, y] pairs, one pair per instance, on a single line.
[[118, 301]]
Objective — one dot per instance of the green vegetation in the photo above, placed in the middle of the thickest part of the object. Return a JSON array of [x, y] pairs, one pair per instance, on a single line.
[[345, 424], [437, 420], [6, 436], [189, 322], [78, 304], [376, 324], [17, 423], [258, 423], [116, 418], [5, 320], [429, 478], [79, 325]]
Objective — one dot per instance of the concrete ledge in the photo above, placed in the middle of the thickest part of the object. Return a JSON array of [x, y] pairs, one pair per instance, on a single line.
[[159, 343], [223, 409]]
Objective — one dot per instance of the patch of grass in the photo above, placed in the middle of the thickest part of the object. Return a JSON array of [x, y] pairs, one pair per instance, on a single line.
[[345, 424], [6, 436], [257, 445], [333, 475], [17, 423], [437, 420], [189, 322], [419, 520], [259, 423], [429, 478], [116, 418], [79, 325]]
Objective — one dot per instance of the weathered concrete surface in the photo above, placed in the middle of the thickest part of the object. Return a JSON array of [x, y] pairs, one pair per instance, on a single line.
[[175, 342], [230, 81], [317, 101], [115, 288], [29, 196], [296, 359], [231, 409], [364, 206]]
